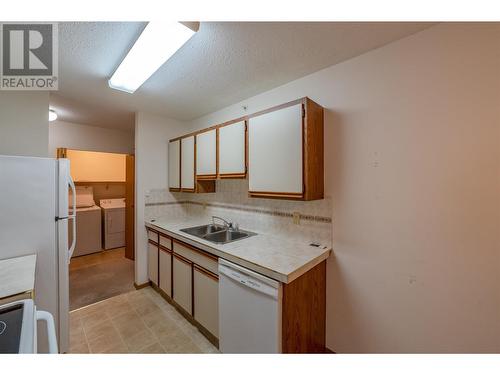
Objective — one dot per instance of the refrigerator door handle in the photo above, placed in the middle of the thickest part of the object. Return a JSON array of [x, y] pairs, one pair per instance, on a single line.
[[72, 216]]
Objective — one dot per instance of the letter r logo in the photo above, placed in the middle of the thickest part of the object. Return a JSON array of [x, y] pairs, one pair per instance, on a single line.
[[27, 49]]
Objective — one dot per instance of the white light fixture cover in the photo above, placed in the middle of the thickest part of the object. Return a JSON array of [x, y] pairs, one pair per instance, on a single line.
[[156, 44], [52, 115]]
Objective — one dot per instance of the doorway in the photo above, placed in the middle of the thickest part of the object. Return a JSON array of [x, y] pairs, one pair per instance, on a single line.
[[102, 265]]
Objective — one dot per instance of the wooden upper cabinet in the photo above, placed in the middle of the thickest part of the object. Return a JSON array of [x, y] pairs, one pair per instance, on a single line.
[[187, 163], [275, 152], [232, 150], [182, 167], [285, 151], [280, 149], [206, 154], [174, 165]]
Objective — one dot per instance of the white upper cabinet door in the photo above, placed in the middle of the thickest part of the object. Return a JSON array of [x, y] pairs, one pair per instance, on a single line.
[[174, 172], [232, 149], [206, 153], [187, 163], [275, 151]]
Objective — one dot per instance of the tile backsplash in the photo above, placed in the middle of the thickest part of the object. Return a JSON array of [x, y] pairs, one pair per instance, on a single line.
[[231, 201]]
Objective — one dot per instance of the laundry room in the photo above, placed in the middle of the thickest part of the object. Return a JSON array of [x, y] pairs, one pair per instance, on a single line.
[[102, 231]]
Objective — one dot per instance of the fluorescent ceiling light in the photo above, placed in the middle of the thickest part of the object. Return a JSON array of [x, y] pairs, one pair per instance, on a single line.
[[157, 43], [52, 115]]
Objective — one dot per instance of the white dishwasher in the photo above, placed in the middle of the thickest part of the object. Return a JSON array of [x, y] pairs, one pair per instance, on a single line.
[[249, 311]]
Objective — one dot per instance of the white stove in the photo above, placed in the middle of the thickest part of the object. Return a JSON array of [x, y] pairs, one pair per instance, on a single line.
[[18, 328]]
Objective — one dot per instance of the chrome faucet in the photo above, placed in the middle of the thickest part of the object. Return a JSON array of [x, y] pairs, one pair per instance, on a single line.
[[227, 224]]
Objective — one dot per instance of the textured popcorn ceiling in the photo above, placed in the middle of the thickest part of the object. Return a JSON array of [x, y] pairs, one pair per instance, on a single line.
[[222, 64]]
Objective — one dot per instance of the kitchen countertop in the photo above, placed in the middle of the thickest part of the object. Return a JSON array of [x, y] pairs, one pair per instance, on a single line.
[[17, 275], [276, 257]]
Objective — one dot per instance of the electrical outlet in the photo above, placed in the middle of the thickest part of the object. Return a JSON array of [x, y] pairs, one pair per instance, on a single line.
[[296, 218]]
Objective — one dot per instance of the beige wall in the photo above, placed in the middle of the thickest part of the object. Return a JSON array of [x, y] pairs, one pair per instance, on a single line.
[[412, 150], [89, 138], [151, 170], [24, 123], [96, 166]]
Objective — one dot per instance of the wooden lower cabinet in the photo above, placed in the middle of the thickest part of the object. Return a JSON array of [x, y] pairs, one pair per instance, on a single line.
[[303, 327], [183, 283], [165, 268], [206, 299], [153, 262]]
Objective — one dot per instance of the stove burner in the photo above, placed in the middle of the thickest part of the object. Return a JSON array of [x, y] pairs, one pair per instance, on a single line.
[[11, 317]]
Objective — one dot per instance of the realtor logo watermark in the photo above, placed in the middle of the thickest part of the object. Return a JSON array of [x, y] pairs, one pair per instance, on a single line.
[[28, 56]]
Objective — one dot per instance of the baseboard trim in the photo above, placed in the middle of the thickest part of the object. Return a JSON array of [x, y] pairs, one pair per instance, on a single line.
[[141, 286], [329, 351]]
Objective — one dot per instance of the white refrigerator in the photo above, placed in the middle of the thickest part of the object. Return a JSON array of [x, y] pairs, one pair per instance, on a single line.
[[34, 219]]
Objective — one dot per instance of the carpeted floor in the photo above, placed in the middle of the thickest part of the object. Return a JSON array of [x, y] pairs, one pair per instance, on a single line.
[[96, 277]]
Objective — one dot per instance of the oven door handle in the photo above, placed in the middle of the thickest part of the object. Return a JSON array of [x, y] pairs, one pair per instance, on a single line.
[[51, 329]]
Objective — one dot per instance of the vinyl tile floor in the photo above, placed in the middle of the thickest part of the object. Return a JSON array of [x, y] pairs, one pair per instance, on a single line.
[[98, 276], [140, 321]]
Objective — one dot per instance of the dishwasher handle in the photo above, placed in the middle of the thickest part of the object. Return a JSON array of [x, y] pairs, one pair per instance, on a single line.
[[249, 281]]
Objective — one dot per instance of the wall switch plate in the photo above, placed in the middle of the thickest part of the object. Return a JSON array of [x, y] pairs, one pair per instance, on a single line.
[[296, 218]]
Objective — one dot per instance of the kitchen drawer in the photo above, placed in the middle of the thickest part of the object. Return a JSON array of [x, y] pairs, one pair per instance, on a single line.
[[206, 299], [182, 291], [165, 267], [165, 241], [152, 235], [205, 260]]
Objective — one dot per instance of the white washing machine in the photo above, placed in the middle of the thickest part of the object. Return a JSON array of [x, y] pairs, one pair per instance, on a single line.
[[88, 222], [113, 218]]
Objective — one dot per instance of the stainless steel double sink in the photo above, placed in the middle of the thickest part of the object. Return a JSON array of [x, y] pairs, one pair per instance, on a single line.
[[218, 234]]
